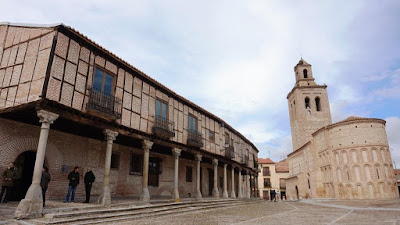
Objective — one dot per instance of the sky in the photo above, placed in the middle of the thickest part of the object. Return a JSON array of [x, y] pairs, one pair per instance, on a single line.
[[236, 58]]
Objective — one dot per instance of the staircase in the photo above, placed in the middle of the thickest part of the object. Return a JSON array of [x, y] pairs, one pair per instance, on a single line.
[[126, 213]]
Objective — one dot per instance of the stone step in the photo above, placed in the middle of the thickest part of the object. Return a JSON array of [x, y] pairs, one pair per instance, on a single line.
[[137, 211], [131, 207], [156, 213]]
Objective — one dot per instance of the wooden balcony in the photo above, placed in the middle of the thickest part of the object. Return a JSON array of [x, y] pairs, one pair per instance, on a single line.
[[163, 127], [229, 151], [103, 104], [195, 138]]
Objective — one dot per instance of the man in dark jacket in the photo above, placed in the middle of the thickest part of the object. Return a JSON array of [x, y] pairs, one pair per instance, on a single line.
[[8, 177], [44, 182], [73, 178], [89, 179]]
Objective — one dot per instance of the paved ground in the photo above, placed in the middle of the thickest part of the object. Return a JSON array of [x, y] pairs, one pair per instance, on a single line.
[[303, 212], [284, 213]]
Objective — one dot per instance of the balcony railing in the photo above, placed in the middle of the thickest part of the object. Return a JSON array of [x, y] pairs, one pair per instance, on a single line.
[[104, 103], [195, 138], [266, 173], [229, 151], [163, 127], [267, 185]]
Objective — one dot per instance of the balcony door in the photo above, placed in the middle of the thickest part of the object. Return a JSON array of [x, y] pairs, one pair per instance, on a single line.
[[192, 125], [102, 82], [161, 110]]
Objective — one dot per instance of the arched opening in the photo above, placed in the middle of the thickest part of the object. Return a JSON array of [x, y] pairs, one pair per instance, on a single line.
[[307, 102], [25, 164], [318, 103], [305, 73]]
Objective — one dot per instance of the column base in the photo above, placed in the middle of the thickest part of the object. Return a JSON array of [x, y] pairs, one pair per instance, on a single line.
[[225, 194], [233, 194], [175, 195], [144, 196], [32, 205], [199, 196], [105, 197], [215, 193]]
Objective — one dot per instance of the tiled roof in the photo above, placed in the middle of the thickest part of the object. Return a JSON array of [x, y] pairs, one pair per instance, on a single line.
[[282, 166], [396, 171], [265, 161]]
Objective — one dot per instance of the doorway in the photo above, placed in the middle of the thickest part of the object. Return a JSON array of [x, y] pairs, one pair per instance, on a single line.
[[154, 171], [210, 181], [297, 192], [25, 164]]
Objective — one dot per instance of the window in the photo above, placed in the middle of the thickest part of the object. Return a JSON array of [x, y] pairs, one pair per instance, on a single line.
[[161, 109], [211, 136], [226, 138], [136, 164], [189, 171], [305, 73], [282, 183], [318, 103], [103, 82], [267, 182], [266, 171], [115, 160], [192, 125], [307, 101]]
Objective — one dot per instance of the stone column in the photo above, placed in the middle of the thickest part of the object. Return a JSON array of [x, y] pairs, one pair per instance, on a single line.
[[176, 152], [215, 188], [233, 195], [248, 190], [257, 191], [105, 195], [32, 205], [145, 195], [240, 180], [198, 191], [225, 192]]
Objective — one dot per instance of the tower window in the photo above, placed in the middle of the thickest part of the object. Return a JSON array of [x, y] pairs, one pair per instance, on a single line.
[[305, 73], [307, 101], [318, 103]]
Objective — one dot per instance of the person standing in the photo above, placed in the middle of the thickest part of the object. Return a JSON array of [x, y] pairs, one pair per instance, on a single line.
[[8, 177], [73, 178], [44, 182], [89, 179]]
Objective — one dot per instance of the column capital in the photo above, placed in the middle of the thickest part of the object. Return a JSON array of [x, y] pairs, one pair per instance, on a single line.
[[225, 165], [46, 116], [240, 169], [198, 157], [146, 144], [215, 162], [176, 152], [110, 135]]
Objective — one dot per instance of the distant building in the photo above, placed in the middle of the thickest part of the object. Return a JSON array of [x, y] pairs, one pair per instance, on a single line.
[[69, 102], [272, 178], [349, 159]]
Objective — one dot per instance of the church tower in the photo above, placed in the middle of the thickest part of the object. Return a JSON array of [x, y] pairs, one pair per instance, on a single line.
[[308, 105]]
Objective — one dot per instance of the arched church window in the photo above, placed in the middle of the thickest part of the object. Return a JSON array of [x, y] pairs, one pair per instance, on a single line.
[[318, 103], [305, 73], [307, 101]]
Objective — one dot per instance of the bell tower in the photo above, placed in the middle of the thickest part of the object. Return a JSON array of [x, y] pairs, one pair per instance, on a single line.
[[308, 105]]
